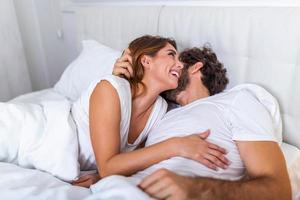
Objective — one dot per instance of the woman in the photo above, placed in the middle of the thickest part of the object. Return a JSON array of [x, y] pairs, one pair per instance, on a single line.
[[119, 113]]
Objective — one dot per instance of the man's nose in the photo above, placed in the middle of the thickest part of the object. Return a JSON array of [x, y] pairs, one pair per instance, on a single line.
[[180, 65]]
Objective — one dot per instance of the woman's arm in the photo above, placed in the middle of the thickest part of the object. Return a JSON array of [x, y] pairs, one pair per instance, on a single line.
[[105, 117]]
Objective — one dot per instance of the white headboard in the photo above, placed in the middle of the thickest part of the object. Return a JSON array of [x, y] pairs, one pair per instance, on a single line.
[[256, 44]]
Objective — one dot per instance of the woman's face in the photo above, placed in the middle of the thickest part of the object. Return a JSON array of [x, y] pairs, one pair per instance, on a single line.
[[165, 68]]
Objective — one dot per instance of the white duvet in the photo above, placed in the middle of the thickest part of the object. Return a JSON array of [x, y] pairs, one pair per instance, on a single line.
[[40, 135]]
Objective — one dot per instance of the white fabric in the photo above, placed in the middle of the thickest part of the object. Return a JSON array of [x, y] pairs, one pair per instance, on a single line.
[[235, 115], [117, 187], [122, 188], [40, 135], [95, 61], [292, 157], [80, 111], [17, 183], [271, 103]]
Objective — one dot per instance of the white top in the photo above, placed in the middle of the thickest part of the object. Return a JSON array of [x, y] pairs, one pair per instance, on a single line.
[[80, 112], [236, 115]]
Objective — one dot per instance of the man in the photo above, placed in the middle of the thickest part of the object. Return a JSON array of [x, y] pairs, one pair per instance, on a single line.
[[238, 122]]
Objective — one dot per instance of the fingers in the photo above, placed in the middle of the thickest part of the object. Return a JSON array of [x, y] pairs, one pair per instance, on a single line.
[[215, 161], [158, 189], [158, 185], [216, 147], [81, 179], [126, 51], [205, 134], [209, 164], [85, 184], [165, 193], [126, 66], [123, 68], [151, 179], [219, 155], [121, 71], [86, 180], [125, 58]]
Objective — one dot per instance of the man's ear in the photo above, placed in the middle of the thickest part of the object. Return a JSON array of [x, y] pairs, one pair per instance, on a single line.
[[145, 60], [196, 67]]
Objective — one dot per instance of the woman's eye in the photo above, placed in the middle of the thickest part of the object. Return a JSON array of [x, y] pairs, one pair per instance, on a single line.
[[172, 54]]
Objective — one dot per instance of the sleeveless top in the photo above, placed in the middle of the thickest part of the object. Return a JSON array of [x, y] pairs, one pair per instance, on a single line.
[[80, 113]]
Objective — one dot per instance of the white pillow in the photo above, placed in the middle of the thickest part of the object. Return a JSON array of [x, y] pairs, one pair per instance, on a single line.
[[94, 61]]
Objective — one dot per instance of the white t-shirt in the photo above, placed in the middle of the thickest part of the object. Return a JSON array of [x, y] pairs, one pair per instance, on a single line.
[[80, 113], [231, 116]]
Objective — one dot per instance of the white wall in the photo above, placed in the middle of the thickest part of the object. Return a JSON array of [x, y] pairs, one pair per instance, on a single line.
[[47, 53], [14, 77], [56, 49], [30, 31], [192, 2]]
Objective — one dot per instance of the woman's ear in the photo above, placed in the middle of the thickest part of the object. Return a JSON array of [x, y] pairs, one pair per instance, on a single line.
[[196, 67], [145, 60]]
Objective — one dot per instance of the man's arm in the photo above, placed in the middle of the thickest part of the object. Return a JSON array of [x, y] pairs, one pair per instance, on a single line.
[[265, 165]]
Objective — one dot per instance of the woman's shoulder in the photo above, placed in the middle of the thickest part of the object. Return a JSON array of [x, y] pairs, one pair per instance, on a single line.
[[117, 82]]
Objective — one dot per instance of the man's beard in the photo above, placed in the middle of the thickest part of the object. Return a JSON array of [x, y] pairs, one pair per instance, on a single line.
[[170, 95]]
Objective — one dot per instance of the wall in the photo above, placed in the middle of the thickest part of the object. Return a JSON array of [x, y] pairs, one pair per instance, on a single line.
[[48, 33], [45, 51], [14, 77]]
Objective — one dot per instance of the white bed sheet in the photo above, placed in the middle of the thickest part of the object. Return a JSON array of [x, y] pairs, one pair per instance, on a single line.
[[20, 183]]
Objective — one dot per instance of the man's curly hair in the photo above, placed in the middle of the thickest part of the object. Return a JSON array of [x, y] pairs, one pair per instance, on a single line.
[[213, 72]]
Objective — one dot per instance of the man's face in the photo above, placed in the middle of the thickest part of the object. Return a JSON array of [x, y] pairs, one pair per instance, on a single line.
[[183, 81]]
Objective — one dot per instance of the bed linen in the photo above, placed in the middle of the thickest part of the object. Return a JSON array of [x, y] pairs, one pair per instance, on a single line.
[[123, 188], [21, 183], [18, 183], [39, 132]]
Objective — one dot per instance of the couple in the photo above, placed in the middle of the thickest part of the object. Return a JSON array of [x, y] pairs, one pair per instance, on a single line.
[[121, 115]]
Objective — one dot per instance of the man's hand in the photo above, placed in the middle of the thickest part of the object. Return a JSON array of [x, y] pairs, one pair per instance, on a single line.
[[265, 166], [164, 184], [87, 180], [123, 65]]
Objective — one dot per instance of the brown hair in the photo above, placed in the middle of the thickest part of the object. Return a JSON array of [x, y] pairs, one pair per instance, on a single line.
[[213, 72], [145, 45]]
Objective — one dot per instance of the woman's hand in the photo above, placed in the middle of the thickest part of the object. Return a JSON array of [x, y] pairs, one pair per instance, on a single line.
[[123, 65], [196, 148], [87, 180]]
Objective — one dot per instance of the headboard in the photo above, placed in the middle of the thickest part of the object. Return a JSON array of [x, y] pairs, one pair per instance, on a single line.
[[256, 44]]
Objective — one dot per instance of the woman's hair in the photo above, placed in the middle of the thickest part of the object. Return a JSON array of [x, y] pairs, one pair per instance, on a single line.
[[145, 45], [213, 72]]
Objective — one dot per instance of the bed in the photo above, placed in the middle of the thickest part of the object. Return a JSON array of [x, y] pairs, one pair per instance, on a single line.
[[256, 44]]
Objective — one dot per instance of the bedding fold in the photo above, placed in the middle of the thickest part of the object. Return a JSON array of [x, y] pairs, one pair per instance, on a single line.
[[41, 136]]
